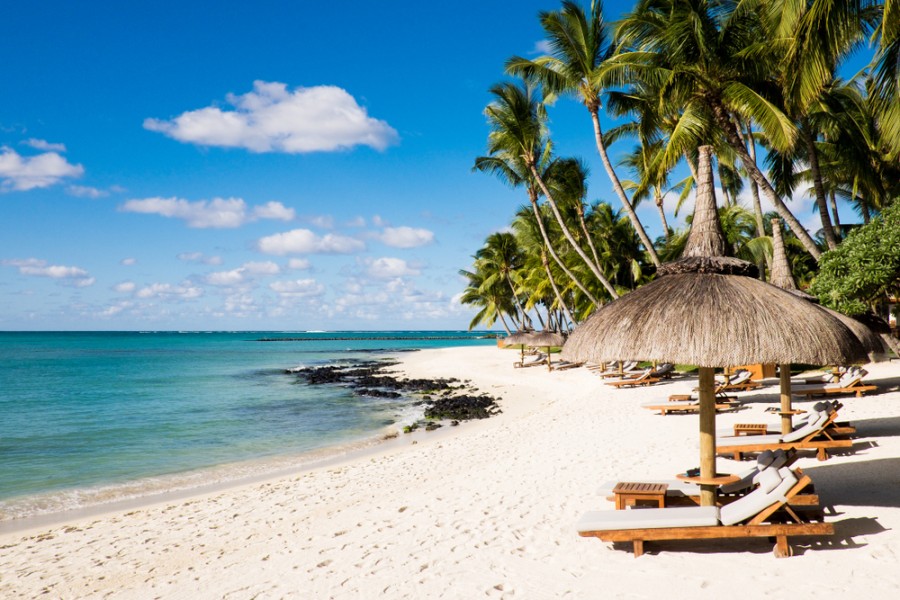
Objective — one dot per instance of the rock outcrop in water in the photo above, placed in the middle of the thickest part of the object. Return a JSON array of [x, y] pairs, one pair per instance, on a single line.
[[444, 399]]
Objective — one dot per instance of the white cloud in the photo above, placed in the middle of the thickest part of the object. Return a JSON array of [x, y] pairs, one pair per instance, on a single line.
[[218, 213], [389, 268], [35, 267], [242, 274], [169, 291], [274, 210], [273, 119], [199, 258], [126, 287], [406, 237], [298, 264], [541, 47], [377, 221], [322, 221], [303, 288], [21, 173], [128, 261], [356, 222], [304, 241], [85, 191], [44, 145]]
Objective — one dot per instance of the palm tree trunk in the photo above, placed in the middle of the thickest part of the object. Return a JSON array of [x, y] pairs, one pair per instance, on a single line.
[[521, 308], [580, 210], [559, 299], [757, 205], [864, 209], [568, 234], [662, 214], [837, 217], [734, 140], [617, 186], [502, 320], [532, 196], [821, 201], [537, 311]]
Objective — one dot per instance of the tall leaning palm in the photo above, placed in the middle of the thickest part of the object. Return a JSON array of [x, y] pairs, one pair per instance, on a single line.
[[517, 133], [579, 46], [698, 52]]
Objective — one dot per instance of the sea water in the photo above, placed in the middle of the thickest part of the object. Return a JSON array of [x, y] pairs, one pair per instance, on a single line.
[[94, 417]]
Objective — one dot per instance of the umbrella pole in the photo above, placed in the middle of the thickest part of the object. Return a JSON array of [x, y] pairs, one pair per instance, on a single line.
[[707, 396], [785, 377], [549, 368]]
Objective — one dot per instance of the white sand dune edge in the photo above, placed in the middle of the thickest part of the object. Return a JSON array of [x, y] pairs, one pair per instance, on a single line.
[[487, 512]]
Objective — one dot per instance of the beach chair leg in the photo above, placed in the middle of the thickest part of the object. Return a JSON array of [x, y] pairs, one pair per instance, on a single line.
[[782, 548], [638, 547], [822, 454]]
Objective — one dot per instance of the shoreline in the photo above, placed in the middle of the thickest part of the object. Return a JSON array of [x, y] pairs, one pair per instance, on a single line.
[[488, 510], [203, 481]]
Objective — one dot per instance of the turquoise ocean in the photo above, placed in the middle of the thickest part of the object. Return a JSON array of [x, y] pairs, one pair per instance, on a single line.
[[88, 418]]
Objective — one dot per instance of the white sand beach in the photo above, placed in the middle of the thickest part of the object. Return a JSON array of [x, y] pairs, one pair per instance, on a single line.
[[488, 511]]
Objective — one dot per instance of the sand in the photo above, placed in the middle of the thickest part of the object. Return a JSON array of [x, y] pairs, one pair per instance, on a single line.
[[487, 512]]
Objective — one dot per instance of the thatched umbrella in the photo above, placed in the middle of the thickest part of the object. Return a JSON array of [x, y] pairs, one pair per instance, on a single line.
[[709, 310], [548, 339], [781, 276], [521, 338], [536, 339]]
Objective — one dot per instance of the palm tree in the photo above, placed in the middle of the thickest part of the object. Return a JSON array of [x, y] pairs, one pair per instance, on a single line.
[[694, 51], [492, 300], [579, 46], [528, 232], [518, 134], [500, 258]]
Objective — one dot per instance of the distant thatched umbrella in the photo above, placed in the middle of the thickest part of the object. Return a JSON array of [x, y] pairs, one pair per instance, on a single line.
[[519, 338], [708, 310], [536, 339], [782, 277]]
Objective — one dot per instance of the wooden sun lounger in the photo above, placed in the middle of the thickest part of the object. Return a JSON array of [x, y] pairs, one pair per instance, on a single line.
[[834, 428], [820, 440], [637, 381], [541, 359], [778, 520], [562, 366], [678, 407], [857, 389]]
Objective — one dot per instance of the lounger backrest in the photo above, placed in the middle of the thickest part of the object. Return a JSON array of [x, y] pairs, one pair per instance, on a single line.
[[740, 377], [754, 502], [773, 487], [811, 426], [629, 365]]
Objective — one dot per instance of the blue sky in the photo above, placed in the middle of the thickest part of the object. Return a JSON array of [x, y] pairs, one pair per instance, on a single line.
[[274, 165]]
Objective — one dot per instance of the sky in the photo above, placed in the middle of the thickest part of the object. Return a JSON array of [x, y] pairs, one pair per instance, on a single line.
[[258, 166]]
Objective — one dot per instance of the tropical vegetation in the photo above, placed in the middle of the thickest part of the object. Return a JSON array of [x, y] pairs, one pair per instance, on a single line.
[[764, 83]]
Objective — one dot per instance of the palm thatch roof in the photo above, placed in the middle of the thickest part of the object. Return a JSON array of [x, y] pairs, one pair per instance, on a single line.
[[519, 337], [547, 338], [708, 310], [712, 320], [535, 338], [781, 276]]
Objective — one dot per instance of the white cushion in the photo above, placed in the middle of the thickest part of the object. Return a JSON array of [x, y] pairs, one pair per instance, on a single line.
[[648, 518], [744, 508], [768, 479], [749, 440]]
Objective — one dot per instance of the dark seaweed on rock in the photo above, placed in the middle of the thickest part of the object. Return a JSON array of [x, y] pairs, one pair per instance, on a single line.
[[438, 395]]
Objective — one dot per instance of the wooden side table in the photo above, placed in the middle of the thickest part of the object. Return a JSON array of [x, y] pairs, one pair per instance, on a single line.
[[627, 493], [750, 429]]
